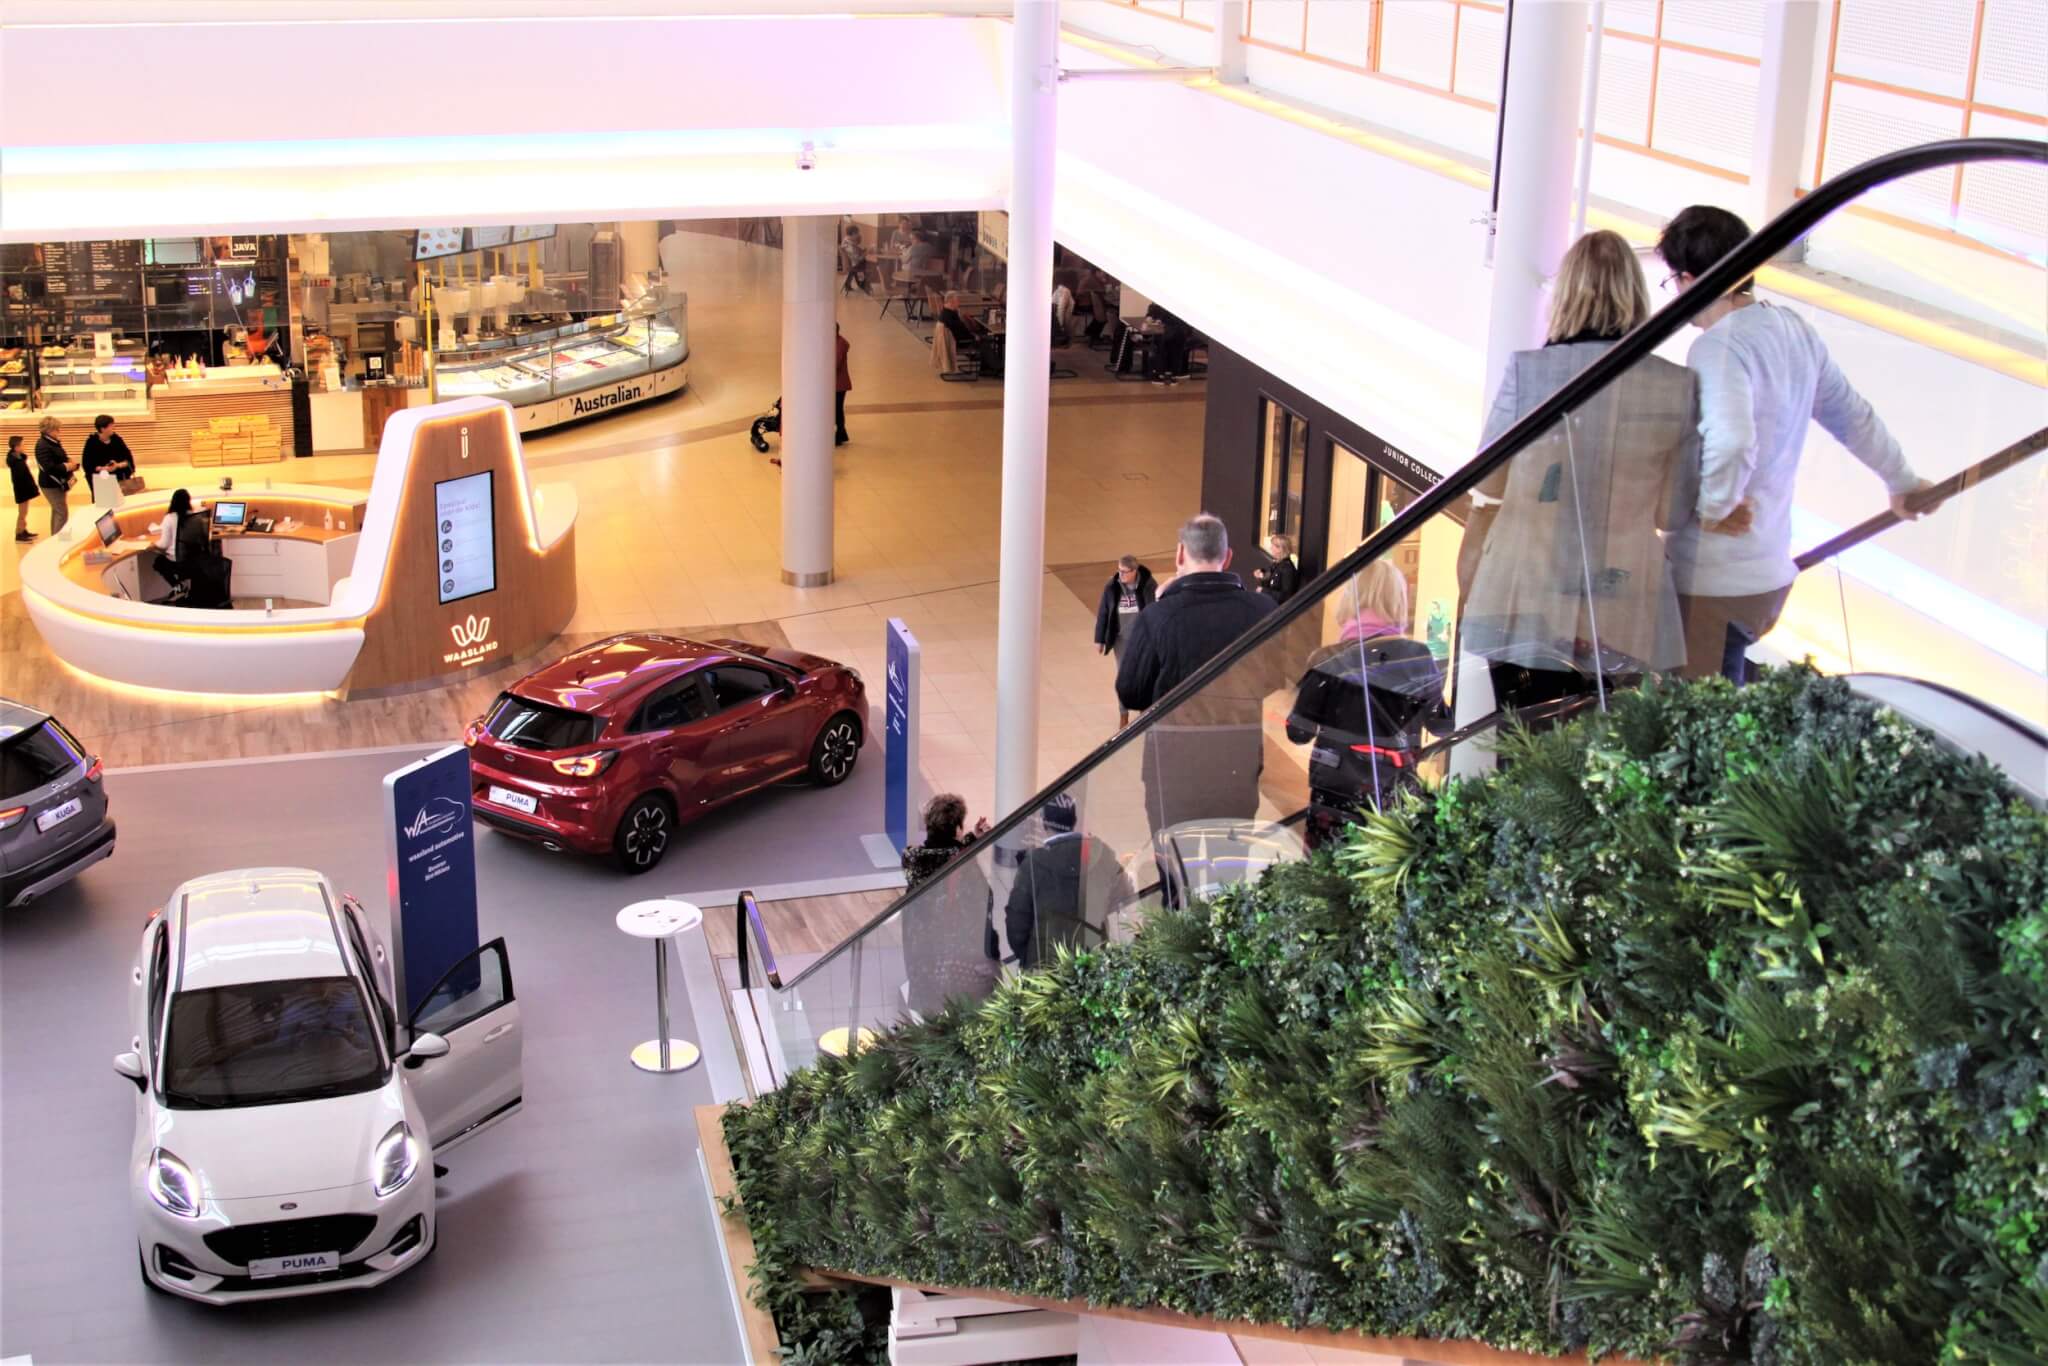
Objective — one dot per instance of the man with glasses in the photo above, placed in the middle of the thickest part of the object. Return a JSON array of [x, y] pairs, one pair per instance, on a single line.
[[1764, 373]]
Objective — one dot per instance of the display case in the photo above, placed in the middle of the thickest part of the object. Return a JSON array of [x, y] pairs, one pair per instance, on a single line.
[[560, 371], [16, 378], [77, 380]]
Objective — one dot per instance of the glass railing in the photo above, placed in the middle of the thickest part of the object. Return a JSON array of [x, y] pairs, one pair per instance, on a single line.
[[1564, 564]]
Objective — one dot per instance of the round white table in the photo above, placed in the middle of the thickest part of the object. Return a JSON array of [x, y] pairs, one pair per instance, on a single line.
[[661, 921]]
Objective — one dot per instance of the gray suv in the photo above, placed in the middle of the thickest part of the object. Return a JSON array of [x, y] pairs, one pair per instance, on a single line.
[[53, 805]]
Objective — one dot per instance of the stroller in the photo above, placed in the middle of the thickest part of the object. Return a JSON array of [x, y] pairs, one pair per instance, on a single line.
[[770, 421]]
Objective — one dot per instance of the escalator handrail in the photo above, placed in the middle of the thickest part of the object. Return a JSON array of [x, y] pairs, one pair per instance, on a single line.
[[1927, 499], [749, 925], [1738, 265]]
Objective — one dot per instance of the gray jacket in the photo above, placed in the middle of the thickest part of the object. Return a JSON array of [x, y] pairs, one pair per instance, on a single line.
[[1581, 510]]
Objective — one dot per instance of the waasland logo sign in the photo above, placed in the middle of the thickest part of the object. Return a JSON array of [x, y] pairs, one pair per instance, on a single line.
[[436, 816], [472, 641]]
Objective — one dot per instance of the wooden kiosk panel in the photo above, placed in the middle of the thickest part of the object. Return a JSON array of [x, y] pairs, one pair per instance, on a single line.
[[412, 638]]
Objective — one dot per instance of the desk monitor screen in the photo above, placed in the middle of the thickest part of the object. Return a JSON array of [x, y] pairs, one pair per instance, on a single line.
[[230, 514], [465, 537], [109, 529]]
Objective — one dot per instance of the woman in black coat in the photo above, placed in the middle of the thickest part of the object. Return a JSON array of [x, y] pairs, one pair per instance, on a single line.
[[1282, 576], [54, 473], [1129, 591], [24, 487]]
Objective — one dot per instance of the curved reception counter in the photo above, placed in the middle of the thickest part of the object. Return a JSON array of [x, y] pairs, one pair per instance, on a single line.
[[451, 562]]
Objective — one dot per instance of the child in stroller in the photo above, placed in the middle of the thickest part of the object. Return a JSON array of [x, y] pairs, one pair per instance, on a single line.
[[770, 421]]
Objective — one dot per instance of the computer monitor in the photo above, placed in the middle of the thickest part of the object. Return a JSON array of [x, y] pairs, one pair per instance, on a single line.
[[229, 514], [109, 529]]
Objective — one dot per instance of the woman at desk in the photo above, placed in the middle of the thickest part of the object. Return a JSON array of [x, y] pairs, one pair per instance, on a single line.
[[184, 554]]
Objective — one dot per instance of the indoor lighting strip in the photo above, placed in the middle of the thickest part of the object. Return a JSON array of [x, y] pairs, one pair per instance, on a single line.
[[145, 692], [2007, 360]]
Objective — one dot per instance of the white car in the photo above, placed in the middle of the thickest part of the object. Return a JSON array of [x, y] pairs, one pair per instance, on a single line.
[[285, 1136]]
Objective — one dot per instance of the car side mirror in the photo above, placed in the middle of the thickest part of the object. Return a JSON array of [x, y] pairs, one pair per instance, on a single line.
[[129, 1065], [424, 1047]]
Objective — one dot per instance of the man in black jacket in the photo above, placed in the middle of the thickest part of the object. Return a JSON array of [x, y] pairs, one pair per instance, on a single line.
[[1065, 892], [1202, 762], [1129, 591]]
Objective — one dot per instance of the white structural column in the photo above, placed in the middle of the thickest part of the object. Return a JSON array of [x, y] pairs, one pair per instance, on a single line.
[[1784, 97], [809, 368], [1034, 79], [1230, 41], [639, 247], [1539, 136]]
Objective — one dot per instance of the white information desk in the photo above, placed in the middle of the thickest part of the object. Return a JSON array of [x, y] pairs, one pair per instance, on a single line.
[[97, 617]]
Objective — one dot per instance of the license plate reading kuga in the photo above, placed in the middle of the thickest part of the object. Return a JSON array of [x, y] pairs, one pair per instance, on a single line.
[[518, 801], [57, 815], [263, 1268]]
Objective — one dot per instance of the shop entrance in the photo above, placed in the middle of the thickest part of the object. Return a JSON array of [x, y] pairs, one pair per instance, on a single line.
[[1364, 498]]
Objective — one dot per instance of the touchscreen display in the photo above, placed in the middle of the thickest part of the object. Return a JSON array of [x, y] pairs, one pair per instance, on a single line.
[[480, 238], [465, 546]]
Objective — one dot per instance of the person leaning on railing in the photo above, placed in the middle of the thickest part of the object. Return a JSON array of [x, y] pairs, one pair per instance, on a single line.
[[1763, 374]]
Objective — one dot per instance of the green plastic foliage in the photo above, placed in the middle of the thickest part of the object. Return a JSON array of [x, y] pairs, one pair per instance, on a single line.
[[1710, 1027]]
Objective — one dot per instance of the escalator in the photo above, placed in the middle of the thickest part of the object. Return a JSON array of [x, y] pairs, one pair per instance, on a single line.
[[1395, 670]]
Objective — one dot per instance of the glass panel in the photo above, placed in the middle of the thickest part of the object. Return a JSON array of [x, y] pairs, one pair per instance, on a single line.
[[1273, 465], [1350, 485]]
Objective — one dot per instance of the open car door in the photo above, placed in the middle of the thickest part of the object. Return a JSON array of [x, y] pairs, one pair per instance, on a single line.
[[477, 1082]]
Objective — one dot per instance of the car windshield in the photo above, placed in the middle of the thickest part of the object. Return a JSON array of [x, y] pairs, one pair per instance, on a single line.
[[531, 725], [36, 756], [268, 1043]]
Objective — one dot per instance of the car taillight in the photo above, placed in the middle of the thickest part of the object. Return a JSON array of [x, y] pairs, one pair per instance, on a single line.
[[586, 765], [1392, 756], [92, 774], [11, 815]]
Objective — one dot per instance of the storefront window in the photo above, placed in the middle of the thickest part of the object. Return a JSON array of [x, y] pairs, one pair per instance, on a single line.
[[1283, 468]]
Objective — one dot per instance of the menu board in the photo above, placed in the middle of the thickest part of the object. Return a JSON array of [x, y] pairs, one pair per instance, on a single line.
[[432, 242], [533, 232], [466, 550], [94, 270], [480, 238]]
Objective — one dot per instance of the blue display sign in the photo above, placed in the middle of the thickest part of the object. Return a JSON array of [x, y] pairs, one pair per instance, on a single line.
[[430, 873], [900, 734]]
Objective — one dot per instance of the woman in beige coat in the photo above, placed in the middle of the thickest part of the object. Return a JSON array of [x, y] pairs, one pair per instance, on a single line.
[[1573, 559]]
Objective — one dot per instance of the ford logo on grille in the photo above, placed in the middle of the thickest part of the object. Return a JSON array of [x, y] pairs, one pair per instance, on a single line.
[[289, 1204]]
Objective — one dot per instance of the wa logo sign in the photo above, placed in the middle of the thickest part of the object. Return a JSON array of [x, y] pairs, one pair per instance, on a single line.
[[472, 641], [436, 817]]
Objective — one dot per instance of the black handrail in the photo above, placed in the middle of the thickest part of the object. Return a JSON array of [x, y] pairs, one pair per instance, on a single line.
[[1730, 271], [1927, 499]]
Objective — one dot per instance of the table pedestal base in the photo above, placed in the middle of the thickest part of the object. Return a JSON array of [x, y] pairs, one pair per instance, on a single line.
[[682, 1054]]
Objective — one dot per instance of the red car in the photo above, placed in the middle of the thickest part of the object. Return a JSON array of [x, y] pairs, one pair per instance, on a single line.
[[609, 749]]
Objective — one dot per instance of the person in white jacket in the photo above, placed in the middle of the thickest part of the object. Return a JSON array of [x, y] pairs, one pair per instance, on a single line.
[[1764, 373]]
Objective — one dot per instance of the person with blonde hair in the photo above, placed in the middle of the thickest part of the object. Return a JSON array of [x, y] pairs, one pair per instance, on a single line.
[[1373, 602], [55, 471], [1567, 576], [1281, 575], [1364, 703]]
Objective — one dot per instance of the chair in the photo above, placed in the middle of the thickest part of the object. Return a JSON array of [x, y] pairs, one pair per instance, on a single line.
[[956, 364]]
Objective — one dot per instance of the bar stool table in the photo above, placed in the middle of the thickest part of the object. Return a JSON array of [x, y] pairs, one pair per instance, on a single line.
[[661, 921]]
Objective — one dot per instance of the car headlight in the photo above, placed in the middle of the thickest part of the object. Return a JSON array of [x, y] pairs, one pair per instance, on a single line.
[[587, 765], [172, 1184], [396, 1159]]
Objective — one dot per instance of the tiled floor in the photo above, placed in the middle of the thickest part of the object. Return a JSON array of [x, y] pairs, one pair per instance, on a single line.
[[679, 528]]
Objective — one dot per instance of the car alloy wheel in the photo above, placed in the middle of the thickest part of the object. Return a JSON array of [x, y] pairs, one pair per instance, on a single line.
[[838, 747], [643, 835]]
